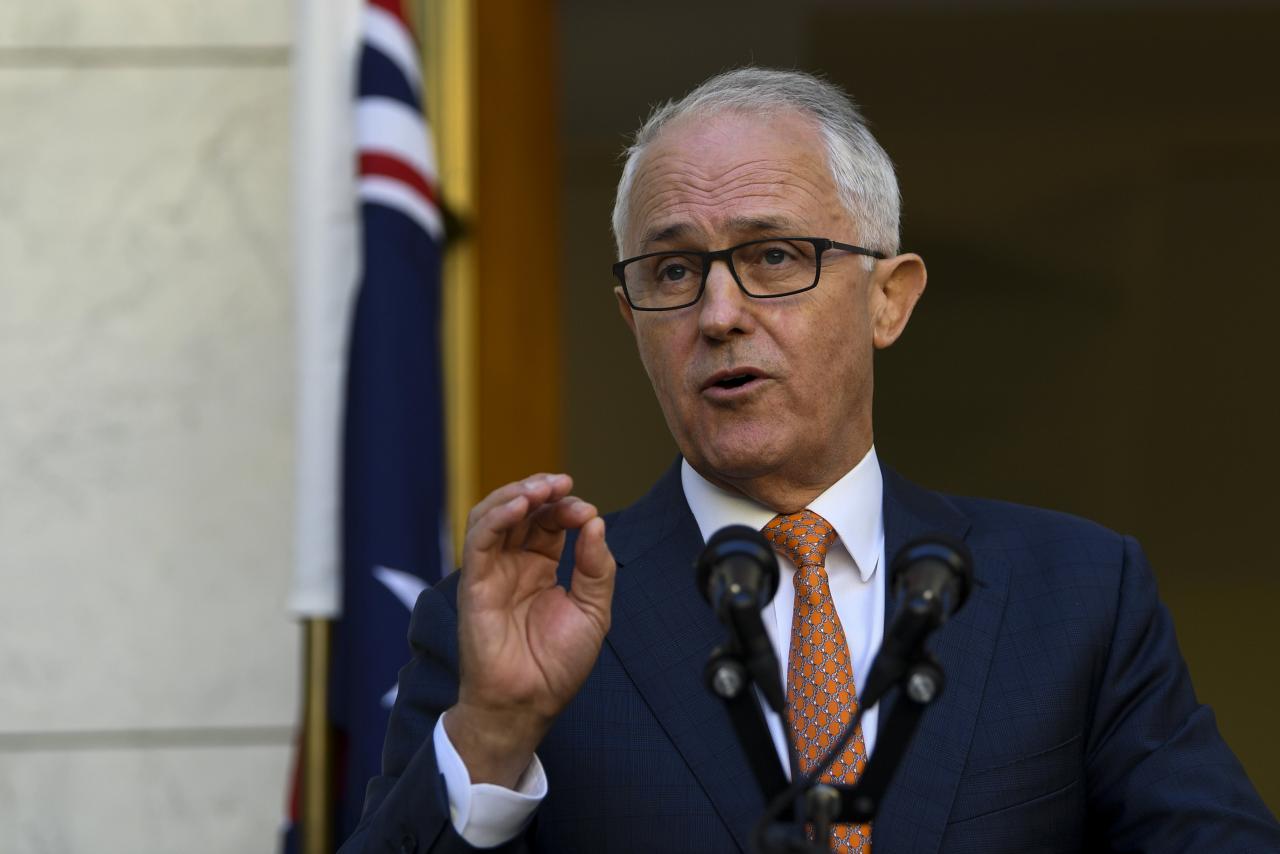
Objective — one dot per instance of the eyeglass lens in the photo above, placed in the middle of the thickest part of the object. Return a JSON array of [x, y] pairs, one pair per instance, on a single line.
[[770, 268]]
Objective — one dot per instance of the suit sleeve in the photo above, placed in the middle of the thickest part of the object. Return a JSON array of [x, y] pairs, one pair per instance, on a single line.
[[1160, 776], [406, 808]]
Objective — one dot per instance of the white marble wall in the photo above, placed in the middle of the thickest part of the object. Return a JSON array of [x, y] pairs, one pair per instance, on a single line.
[[148, 670]]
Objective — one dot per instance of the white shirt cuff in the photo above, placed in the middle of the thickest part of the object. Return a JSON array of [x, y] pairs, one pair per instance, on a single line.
[[484, 814]]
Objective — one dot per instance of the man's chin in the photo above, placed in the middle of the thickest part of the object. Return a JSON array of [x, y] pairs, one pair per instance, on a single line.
[[734, 461]]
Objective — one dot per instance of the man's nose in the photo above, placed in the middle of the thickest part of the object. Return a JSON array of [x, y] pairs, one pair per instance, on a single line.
[[724, 308]]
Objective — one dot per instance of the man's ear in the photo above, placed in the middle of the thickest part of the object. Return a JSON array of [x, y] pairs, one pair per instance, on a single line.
[[896, 284], [624, 308]]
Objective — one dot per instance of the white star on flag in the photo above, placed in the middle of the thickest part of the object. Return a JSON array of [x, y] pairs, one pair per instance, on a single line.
[[406, 587]]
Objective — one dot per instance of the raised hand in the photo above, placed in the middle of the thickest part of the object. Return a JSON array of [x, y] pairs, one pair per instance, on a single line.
[[526, 644]]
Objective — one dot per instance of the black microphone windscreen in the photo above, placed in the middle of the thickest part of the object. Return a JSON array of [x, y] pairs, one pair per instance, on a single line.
[[737, 543], [938, 562]]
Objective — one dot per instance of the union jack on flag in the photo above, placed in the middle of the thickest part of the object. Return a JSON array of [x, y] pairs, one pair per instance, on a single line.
[[397, 161]]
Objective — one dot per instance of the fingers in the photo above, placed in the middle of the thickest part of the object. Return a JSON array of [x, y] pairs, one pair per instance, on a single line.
[[557, 517], [507, 507], [594, 572], [542, 531], [538, 487]]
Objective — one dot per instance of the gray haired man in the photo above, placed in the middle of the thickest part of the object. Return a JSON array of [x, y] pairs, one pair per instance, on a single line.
[[555, 698]]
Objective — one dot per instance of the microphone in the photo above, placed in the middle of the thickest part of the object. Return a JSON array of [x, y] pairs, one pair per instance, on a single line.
[[738, 575], [934, 571], [737, 569], [931, 578]]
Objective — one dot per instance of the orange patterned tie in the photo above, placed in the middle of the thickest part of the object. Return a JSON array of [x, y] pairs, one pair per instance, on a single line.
[[820, 691]]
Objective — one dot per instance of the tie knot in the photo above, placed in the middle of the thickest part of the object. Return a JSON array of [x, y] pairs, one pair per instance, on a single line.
[[804, 537]]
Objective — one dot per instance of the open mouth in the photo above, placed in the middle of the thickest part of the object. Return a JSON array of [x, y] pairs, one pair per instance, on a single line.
[[733, 378], [736, 381]]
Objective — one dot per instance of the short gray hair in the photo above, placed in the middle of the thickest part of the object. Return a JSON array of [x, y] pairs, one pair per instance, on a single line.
[[863, 173]]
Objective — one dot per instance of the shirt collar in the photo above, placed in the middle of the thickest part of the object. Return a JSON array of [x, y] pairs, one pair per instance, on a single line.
[[853, 505]]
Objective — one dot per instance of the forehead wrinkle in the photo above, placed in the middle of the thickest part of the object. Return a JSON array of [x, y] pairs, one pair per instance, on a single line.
[[730, 173], [764, 170], [700, 210], [698, 199]]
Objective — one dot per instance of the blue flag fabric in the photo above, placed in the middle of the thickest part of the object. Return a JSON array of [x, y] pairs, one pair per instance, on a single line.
[[393, 468], [394, 484]]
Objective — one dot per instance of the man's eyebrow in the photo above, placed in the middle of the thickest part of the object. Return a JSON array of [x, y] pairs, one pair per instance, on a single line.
[[749, 225], [671, 232], [757, 224]]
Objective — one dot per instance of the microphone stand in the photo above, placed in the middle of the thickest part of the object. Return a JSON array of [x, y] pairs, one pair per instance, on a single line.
[[729, 673], [781, 830]]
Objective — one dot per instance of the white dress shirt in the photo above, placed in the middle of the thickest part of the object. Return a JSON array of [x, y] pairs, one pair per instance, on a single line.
[[486, 815], [854, 507]]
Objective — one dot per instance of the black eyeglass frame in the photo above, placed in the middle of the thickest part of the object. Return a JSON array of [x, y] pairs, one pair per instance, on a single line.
[[820, 245]]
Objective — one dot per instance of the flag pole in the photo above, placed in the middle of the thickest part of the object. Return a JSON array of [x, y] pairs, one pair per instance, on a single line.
[[325, 266], [317, 788]]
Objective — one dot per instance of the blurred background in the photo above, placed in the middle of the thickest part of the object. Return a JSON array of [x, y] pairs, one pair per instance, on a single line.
[[1093, 186]]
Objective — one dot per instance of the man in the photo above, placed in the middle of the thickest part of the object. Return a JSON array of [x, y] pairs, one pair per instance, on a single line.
[[545, 710]]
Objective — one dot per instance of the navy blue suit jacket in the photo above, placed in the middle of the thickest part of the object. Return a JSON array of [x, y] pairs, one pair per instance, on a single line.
[[1068, 721]]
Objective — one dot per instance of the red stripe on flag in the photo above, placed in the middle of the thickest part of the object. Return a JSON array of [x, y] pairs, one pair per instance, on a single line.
[[395, 7], [390, 166]]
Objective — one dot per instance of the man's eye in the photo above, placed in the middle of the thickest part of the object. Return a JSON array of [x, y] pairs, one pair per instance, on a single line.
[[775, 256], [673, 272]]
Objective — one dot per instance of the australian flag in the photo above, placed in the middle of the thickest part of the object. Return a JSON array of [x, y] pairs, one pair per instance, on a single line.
[[394, 531]]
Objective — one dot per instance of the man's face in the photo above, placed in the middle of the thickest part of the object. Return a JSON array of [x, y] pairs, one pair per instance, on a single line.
[[804, 416]]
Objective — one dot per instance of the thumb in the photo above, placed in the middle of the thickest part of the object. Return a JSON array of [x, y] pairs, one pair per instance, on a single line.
[[593, 572]]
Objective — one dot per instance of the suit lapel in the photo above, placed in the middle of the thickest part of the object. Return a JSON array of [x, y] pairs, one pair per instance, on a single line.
[[663, 632], [914, 813]]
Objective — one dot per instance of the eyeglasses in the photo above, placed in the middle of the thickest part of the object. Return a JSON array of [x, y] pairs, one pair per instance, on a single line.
[[764, 269]]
